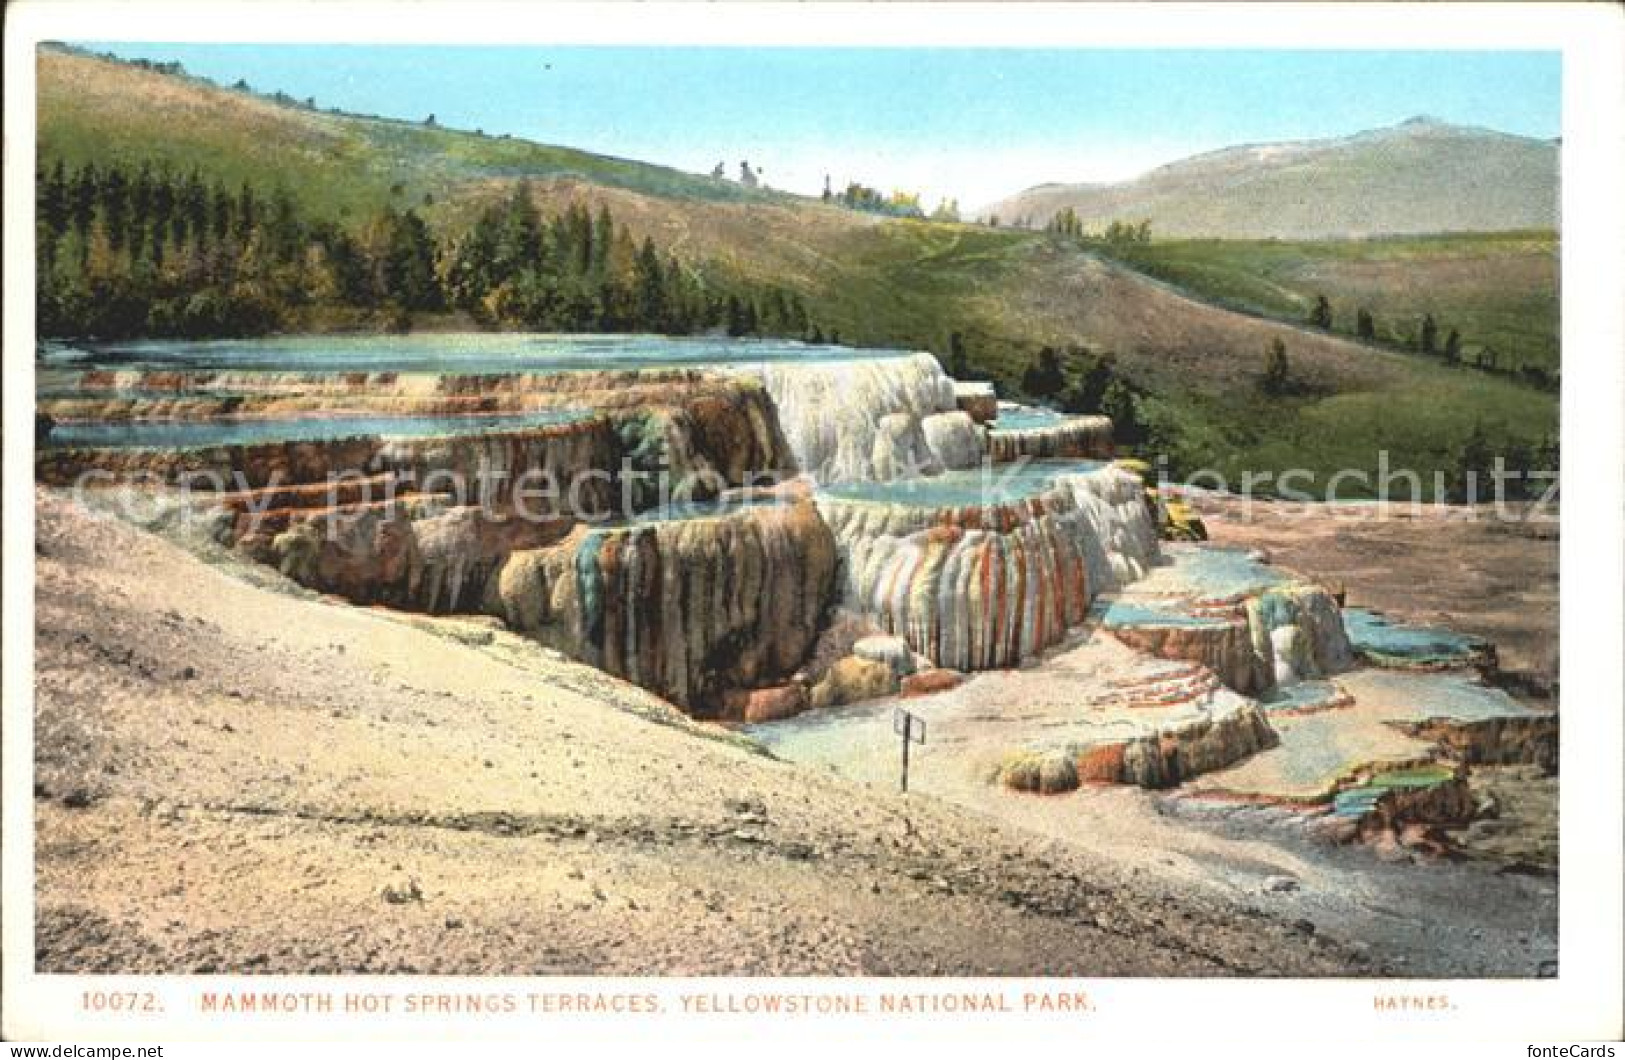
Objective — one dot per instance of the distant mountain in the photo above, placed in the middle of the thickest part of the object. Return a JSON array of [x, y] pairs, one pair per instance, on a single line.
[[1421, 176]]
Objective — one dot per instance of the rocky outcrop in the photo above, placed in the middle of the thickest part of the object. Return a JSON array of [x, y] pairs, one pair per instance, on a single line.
[[104, 395], [1122, 543], [931, 682], [980, 400], [416, 556], [1529, 739], [1279, 636], [700, 433], [689, 609], [709, 442], [864, 420], [756, 705], [1208, 740], [1222, 645], [854, 680], [1088, 437], [1299, 628], [984, 587], [1396, 645], [693, 608], [969, 589], [893, 652], [953, 440]]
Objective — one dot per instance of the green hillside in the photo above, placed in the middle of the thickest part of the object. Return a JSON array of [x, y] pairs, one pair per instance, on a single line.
[[1499, 290], [760, 262], [336, 164]]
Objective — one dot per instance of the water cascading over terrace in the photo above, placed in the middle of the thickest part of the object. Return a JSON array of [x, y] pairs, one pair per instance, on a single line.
[[338, 453]]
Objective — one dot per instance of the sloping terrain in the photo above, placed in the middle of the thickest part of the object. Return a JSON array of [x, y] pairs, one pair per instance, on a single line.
[[231, 779], [339, 164], [1420, 176], [1498, 290], [865, 281]]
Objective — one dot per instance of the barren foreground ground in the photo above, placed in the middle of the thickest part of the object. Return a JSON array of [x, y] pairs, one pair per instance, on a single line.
[[234, 779]]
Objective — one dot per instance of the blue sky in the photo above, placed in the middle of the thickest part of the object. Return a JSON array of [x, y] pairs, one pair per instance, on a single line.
[[973, 125]]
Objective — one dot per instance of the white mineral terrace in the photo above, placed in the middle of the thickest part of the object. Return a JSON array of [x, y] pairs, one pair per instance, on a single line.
[[1008, 551]]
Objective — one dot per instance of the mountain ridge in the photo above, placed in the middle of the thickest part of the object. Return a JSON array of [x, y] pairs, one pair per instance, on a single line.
[[1421, 176]]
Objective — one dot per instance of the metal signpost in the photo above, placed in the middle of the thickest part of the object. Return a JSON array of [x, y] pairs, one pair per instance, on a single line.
[[912, 730]]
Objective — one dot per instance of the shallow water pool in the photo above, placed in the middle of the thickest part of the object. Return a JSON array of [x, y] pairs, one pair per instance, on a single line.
[[966, 487], [1026, 418], [1219, 573], [1377, 637], [464, 353], [196, 434]]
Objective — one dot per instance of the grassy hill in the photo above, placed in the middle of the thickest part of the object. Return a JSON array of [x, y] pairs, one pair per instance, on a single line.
[[872, 281], [336, 164], [1420, 176], [1500, 290]]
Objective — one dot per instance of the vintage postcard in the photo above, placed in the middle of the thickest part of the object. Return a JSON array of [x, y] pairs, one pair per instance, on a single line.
[[996, 522]]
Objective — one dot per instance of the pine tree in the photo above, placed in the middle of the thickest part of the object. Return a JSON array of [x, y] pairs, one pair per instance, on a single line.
[[520, 245], [649, 286], [54, 214], [958, 360], [246, 215], [1430, 335], [1321, 315], [578, 229], [1045, 377], [140, 211], [408, 268], [192, 213], [1122, 406], [1277, 369], [163, 213], [220, 213], [1475, 464], [115, 207], [82, 202]]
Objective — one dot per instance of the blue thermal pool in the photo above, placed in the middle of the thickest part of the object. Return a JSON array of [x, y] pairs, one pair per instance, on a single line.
[[194, 434], [966, 487], [1303, 696], [1115, 614], [1220, 573], [1381, 639], [1026, 418], [463, 353]]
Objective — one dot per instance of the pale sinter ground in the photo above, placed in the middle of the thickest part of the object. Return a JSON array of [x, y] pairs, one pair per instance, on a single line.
[[234, 779], [230, 779]]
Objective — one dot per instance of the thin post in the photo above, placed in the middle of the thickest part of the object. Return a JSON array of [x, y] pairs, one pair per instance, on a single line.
[[908, 724]]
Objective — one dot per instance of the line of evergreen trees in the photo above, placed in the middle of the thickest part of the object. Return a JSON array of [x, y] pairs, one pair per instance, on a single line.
[[1451, 348], [1066, 222], [131, 251], [580, 272], [1096, 386]]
